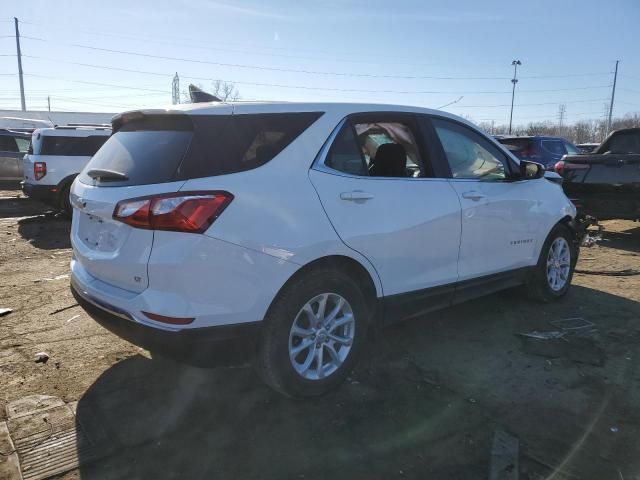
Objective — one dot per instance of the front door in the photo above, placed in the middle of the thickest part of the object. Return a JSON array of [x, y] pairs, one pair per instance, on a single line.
[[501, 218]]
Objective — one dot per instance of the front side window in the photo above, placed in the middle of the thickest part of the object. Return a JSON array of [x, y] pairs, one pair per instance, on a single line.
[[377, 149], [571, 149], [469, 155]]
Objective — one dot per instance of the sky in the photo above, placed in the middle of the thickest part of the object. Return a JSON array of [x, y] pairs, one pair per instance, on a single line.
[[120, 55]]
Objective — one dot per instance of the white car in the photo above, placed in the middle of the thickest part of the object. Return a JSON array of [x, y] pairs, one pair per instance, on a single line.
[[283, 232], [55, 157]]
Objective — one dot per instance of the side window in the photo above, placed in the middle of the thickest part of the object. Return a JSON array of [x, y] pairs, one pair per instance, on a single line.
[[23, 144], [555, 147], [345, 154], [571, 149], [377, 149], [469, 155], [624, 143], [8, 144]]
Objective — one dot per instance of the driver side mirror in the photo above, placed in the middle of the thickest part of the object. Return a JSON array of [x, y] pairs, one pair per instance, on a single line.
[[531, 170]]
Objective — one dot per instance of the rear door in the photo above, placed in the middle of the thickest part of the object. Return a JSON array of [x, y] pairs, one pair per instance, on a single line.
[[380, 191], [12, 150]]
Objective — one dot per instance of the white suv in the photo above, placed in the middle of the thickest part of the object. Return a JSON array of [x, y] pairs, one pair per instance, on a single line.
[[55, 157], [283, 232]]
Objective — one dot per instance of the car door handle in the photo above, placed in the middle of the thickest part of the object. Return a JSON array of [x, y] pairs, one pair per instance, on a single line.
[[473, 195], [356, 196]]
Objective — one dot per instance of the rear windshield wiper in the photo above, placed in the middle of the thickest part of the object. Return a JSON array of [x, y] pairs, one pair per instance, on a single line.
[[106, 175]]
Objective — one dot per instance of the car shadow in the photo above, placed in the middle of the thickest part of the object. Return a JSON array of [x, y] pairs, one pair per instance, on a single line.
[[47, 231], [15, 206], [423, 403], [627, 240]]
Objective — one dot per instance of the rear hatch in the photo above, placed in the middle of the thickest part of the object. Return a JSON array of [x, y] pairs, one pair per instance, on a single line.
[[152, 155], [141, 158]]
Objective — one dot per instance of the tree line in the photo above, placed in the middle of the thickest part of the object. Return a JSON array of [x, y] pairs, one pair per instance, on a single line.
[[584, 131]]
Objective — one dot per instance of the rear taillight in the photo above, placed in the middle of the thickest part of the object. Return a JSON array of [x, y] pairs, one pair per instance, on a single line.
[[562, 166], [191, 212], [39, 170]]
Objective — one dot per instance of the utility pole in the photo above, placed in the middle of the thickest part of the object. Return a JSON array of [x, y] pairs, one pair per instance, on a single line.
[[24, 107], [562, 110], [49, 102], [175, 89], [514, 80], [613, 94]]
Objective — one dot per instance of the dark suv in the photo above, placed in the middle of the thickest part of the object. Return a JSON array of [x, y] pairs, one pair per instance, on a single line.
[[545, 150]]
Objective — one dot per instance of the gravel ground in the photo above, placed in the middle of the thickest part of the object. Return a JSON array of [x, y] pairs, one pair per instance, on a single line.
[[424, 402]]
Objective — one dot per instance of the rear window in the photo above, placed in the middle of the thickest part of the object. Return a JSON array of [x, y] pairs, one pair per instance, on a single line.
[[8, 144], [72, 146], [516, 145], [153, 151], [628, 142]]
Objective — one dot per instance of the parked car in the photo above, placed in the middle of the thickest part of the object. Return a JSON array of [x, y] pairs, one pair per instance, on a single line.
[[587, 147], [606, 183], [545, 150], [283, 232], [55, 158], [13, 146]]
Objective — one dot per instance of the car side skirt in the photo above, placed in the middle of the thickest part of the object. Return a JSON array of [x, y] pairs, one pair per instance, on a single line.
[[413, 304]]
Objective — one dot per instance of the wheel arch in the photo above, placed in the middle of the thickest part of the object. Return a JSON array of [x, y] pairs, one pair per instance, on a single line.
[[365, 278]]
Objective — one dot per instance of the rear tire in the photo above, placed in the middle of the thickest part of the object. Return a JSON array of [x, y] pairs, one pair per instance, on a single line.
[[64, 202], [552, 275], [298, 334]]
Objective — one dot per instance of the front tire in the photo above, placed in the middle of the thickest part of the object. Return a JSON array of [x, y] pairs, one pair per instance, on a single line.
[[552, 276], [313, 334]]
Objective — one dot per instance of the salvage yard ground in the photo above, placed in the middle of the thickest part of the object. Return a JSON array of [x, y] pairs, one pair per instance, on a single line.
[[425, 401]]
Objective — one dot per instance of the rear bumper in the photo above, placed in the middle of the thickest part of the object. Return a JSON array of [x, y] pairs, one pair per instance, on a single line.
[[44, 193], [228, 345]]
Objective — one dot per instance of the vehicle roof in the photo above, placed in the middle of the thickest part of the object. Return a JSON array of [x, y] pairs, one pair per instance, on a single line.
[[337, 108], [542, 137], [74, 131], [14, 133]]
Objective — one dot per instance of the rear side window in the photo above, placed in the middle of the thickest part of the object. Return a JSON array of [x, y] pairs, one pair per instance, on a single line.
[[159, 149], [23, 144], [225, 144], [72, 146]]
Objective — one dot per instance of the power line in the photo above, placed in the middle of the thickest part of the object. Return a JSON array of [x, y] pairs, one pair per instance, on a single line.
[[306, 87], [277, 69], [529, 104], [126, 87]]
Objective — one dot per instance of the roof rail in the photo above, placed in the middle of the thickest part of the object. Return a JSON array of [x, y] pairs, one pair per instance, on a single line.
[[74, 126]]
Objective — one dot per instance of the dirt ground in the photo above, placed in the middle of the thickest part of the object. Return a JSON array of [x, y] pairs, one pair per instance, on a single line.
[[423, 403]]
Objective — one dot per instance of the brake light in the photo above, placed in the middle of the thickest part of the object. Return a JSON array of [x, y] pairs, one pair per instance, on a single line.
[[39, 170], [562, 166], [191, 212]]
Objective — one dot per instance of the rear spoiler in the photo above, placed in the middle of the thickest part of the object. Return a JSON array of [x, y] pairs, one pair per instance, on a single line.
[[153, 119]]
